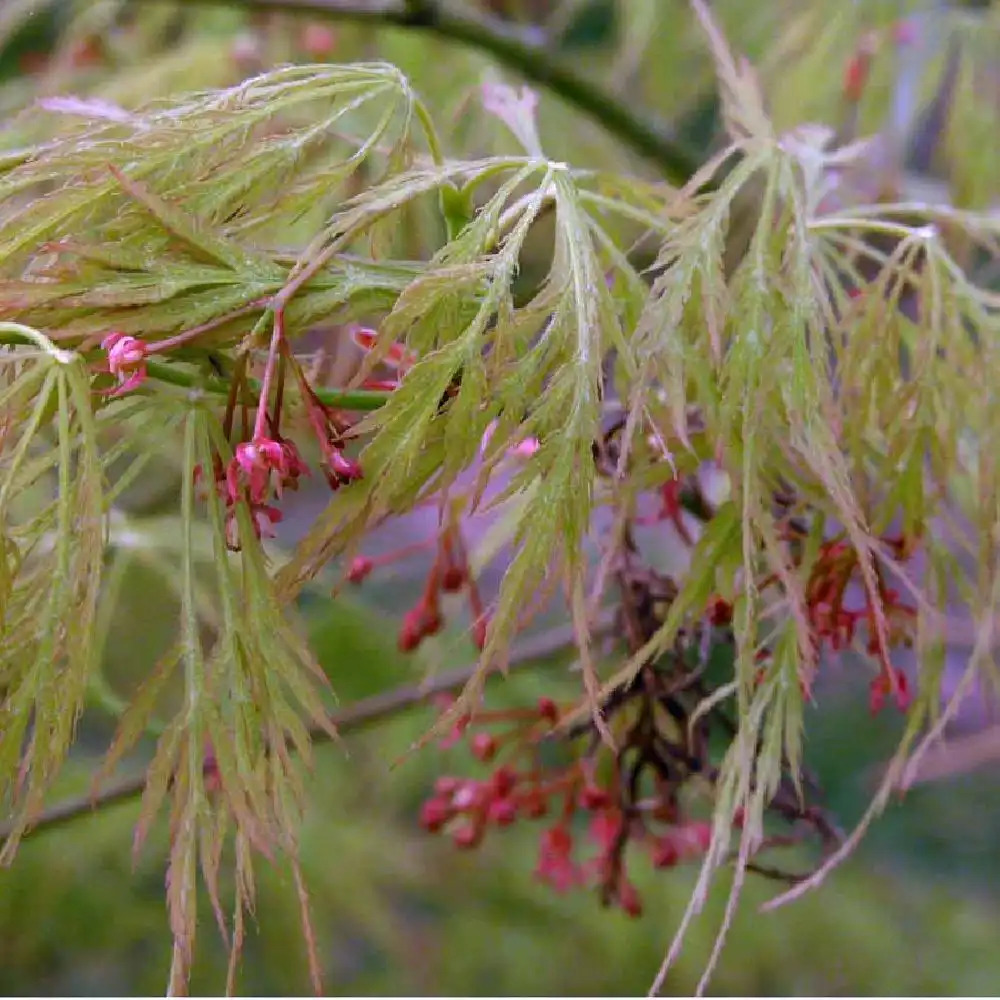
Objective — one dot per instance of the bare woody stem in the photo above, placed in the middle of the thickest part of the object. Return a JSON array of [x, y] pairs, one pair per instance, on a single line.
[[365, 712], [530, 56]]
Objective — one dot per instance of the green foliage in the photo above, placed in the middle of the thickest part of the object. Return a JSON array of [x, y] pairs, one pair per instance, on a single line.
[[52, 546], [291, 198]]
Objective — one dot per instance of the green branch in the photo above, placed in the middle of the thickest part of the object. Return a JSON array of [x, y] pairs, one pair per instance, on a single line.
[[359, 400], [340, 399], [532, 58]]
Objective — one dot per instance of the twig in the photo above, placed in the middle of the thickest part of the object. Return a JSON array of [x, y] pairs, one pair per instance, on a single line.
[[340, 399], [362, 713], [358, 400], [532, 58]]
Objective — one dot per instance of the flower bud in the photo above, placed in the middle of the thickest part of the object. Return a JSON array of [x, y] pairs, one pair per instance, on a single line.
[[434, 813], [359, 569], [483, 746]]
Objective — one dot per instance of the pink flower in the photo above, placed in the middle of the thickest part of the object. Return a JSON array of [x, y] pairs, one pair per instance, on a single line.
[[447, 785], [503, 812], [469, 796], [516, 109], [592, 797], [484, 746], [504, 781], [693, 838], [250, 465], [434, 814], [533, 804], [126, 360], [262, 465], [605, 828], [665, 852], [468, 835], [548, 710], [359, 569], [345, 470], [555, 863], [422, 620], [262, 517]]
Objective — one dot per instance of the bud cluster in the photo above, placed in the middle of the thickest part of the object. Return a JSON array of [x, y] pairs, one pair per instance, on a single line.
[[590, 808], [449, 574], [264, 462]]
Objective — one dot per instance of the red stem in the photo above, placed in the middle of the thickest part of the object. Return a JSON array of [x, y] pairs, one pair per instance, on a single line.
[[169, 343], [260, 424]]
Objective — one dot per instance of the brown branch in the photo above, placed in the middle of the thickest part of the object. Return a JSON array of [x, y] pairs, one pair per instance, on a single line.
[[362, 713], [530, 56]]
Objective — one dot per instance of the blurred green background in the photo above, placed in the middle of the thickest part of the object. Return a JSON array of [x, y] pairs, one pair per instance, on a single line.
[[399, 911], [916, 911]]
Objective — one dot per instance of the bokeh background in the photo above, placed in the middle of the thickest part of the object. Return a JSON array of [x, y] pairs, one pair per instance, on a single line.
[[916, 910]]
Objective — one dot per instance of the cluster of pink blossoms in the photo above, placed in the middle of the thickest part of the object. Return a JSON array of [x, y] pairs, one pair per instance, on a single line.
[[266, 464]]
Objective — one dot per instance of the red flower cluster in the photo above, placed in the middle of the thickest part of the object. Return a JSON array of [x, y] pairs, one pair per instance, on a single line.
[[521, 788], [836, 625]]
